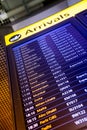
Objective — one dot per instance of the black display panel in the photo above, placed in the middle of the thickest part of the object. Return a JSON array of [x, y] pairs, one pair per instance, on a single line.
[[50, 72]]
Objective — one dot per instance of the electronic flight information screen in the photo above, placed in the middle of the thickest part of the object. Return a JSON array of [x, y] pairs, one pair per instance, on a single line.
[[51, 71]]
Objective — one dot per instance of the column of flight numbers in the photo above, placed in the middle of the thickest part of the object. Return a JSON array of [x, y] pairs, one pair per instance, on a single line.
[[67, 44], [68, 41], [70, 48]]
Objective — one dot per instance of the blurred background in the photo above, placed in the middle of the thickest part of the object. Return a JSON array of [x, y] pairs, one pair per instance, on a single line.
[[15, 11]]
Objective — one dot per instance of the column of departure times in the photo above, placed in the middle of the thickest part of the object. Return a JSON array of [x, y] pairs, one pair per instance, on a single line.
[[25, 90]]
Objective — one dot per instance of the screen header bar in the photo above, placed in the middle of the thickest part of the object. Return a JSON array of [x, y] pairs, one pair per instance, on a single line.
[[45, 23]]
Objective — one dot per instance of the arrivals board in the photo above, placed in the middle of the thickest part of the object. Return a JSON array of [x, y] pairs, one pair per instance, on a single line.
[[48, 76]]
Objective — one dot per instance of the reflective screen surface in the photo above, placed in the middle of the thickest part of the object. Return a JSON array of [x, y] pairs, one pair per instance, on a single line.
[[52, 78]]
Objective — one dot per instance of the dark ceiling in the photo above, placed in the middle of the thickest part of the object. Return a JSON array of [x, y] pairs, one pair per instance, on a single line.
[[15, 9], [12, 10]]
